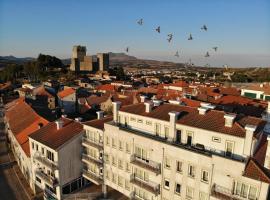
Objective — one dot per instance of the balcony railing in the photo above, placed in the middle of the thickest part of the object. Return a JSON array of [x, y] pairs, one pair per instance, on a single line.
[[223, 193], [49, 195], [146, 164], [46, 162], [147, 185], [87, 158], [133, 196], [51, 181], [97, 179], [96, 144]]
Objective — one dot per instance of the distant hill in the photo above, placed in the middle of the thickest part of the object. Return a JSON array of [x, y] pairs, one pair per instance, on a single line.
[[15, 59]]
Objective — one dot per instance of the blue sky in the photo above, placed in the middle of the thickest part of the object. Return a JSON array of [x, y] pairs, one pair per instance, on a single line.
[[240, 28]]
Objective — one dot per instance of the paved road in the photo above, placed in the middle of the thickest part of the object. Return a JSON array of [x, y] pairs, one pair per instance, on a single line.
[[10, 186]]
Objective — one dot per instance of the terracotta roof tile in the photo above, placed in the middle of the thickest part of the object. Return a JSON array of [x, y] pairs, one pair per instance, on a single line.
[[98, 123], [66, 92], [254, 171], [53, 138], [213, 120]]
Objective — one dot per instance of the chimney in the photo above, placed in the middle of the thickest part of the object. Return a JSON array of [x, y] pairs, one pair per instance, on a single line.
[[172, 129], [142, 97], [175, 102], [116, 107], [40, 125], [59, 124], [148, 106], [229, 119], [157, 102], [78, 119], [100, 114], [202, 110], [64, 116], [250, 129]]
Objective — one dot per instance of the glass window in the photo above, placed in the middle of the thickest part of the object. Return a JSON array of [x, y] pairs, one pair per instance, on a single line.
[[191, 171], [177, 188], [107, 140], [33, 145], [229, 149], [189, 193], [120, 164], [202, 196], [139, 120], [113, 143], [205, 176], [120, 145], [244, 190], [167, 162], [127, 147], [252, 193], [149, 123], [127, 185], [166, 184], [179, 166], [166, 130], [120, 181], [157, 127]]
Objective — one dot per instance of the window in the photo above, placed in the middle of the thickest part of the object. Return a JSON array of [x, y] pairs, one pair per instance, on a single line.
[[42, 151], [139, 120], [191, 171], [120, 164], [202, 196], [120, 181], [120, 145], [179, 166], [127, 167], [127, 147], [149, 123], [189, 138], [166, 130], [107, 158], [157, 129], [167, 184], [113, 161], [33, 145], [107, 175], [114, 177], [107, 140], [167, 163], [205, 176], [216, 139], [132, 119], [50, 155], [178, 188], [127, 185], [245, 191], [229, 149], [113, 143], [178, 136], [189, 194], [143, 175], [141, 153], [36, 147], [252, 193]]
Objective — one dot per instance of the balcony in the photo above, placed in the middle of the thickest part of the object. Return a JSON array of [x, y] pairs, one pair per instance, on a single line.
[[95, 178], [223, 193], [88, 159], [133, 196], [146, 185], [51, 181], [87, 142], [46, 162], [49, 195], [146, 164]]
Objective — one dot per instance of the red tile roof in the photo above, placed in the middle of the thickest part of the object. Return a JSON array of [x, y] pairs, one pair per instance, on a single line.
[[23, 121], [98, 123], [66, 92], [53, 138], [254, 171], [106, 87], [260, 153], [213, 120]]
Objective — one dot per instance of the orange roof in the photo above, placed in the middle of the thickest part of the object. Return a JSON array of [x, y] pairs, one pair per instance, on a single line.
[[106, 87], [98, 123], [255, 171], [66, 92], [23, 121]]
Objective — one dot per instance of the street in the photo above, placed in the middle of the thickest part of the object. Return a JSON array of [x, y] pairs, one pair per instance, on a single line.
[[11, 184]]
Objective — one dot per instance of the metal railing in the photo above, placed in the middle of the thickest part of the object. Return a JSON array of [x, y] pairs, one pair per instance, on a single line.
[[148, 164], [89, 158], [147, 185], [92, 143], [92, 176], [52, 181], [46, 162]]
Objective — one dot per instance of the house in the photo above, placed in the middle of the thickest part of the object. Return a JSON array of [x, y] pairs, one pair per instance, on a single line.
[[67, 100]]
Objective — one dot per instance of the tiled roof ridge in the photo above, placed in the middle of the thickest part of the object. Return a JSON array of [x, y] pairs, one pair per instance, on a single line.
[[265, 172]]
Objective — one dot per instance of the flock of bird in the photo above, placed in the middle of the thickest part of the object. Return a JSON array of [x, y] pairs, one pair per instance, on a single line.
[[170, 37]]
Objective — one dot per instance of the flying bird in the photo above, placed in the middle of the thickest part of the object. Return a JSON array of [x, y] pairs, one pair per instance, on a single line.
[[215, 48], [127, 49], [204, 27], [207, 54], [140, 22], [177, 54], [170, 36], [190, 37], [158, 29]]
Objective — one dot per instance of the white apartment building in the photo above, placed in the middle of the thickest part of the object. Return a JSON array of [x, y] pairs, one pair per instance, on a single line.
[[55, 151], [165, 152]]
